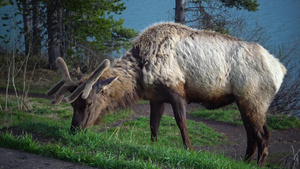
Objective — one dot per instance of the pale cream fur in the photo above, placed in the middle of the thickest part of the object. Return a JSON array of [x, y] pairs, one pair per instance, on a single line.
[[208, 63]]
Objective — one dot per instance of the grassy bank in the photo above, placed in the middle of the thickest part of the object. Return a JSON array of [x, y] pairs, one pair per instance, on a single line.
[[231, 115], [117, 142]]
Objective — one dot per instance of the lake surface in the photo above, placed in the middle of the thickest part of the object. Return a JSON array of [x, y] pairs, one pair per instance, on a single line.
[[280, 19]]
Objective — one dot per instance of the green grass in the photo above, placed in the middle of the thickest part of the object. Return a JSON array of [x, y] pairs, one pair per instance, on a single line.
[[118, 116], [98, 150], [42, 111], [92, 149], [281, 122], [232, 116], [143, 102], [117, 142], [138, 132]]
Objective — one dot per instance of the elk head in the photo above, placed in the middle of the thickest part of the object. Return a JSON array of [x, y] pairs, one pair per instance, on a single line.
[[85, 96]]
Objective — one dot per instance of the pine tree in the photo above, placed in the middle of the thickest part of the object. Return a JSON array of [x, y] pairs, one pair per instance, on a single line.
[[72, 28], [211, 15]]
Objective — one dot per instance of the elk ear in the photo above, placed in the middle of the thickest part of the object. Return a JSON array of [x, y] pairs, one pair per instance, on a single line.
[[105, 84], [108, 82]]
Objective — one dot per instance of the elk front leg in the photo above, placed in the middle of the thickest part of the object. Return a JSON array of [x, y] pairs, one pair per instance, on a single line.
[[178, 105], [157, 109]]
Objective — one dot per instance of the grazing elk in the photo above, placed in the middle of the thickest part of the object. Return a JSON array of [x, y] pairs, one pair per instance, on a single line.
[[172, 63]]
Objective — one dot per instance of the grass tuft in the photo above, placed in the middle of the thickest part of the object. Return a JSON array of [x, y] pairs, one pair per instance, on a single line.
[[281, 122], [232, 116]]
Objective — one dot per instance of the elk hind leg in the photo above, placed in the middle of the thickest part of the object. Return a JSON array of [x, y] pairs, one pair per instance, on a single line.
[[263, 136], [251, 141], [251, 146], [257, 132]]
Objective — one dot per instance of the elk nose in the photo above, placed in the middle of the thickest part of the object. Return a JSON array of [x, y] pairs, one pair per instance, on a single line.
[[73, 129]]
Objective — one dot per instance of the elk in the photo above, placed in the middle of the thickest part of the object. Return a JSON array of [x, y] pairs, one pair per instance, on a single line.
[[172, 63]]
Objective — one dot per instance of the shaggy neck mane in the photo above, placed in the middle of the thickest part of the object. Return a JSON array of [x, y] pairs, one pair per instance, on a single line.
[[125, 91]]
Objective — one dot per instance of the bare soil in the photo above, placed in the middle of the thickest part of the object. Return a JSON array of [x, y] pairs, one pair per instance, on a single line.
[[14, 159], [281, 146]]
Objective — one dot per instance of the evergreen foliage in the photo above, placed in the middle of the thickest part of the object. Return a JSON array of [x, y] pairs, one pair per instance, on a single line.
[[70, 28]]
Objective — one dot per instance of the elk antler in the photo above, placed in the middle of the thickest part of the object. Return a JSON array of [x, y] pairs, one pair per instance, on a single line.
[[62, 86], [86, 87]]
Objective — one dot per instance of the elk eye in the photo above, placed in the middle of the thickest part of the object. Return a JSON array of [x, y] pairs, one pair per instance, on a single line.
[[99, 90], [89, 103]]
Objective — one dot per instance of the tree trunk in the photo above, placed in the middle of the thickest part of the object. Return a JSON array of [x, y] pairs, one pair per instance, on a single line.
[[27, 26], [67, 35], [180, 11], [36, 19], [61, 30], [53, 34]]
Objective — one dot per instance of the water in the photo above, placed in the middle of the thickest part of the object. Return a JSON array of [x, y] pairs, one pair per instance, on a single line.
[[280, 19], [141, 14]]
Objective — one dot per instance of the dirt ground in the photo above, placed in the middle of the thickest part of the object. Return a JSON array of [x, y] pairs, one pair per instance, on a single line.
[[281, 145], [14, 159]]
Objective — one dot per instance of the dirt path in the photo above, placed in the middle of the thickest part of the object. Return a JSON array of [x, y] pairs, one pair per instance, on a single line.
[[235, 147], [11, 159], [281, 143]]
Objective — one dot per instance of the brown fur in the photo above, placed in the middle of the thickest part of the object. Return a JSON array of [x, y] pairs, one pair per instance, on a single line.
[[126, 91]]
